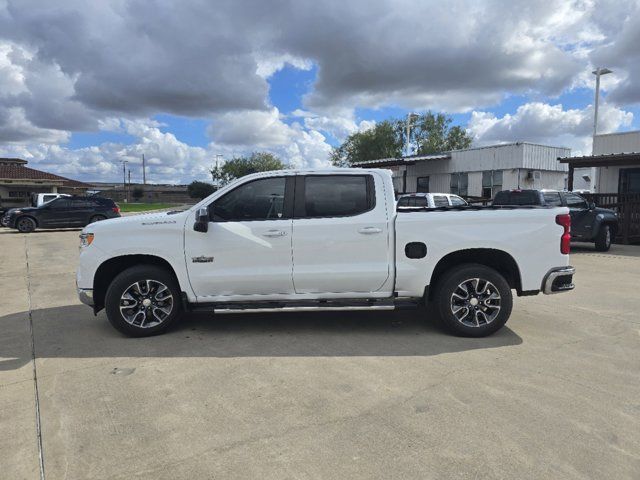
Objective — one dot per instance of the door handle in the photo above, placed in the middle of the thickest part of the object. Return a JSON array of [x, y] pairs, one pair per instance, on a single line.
[[274, 233], [369, 230]]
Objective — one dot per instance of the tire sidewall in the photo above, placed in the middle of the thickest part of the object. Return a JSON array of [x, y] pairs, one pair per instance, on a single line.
[[123, 281], [450, 281], [601, 241]]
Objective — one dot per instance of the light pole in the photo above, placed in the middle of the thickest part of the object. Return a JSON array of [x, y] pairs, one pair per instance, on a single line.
[[410, 116], [599, 71], [124, 177]]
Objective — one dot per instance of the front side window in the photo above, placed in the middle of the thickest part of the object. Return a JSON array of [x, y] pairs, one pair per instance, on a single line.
[[336, 195], [60, 203], [552, 199], [457, 201], [575, 201], [258, 200]]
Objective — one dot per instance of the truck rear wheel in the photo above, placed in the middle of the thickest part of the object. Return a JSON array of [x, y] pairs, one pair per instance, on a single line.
[[473, 300], [143, 300]]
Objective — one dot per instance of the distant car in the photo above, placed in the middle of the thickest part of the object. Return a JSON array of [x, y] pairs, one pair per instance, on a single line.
[[430, 200], [63, 212], [588, 222], [37, 200]]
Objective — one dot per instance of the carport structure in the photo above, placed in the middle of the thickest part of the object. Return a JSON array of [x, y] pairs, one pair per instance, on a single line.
[[626, 202]]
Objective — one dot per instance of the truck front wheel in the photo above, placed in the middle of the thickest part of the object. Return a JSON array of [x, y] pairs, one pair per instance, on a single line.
[[473, 300], [143, 300]]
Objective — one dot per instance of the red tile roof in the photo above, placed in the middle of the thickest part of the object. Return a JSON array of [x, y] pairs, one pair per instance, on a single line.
[[20, 172]]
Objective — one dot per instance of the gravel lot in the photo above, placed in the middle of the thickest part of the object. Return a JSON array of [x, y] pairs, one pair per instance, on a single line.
[[322, 396]]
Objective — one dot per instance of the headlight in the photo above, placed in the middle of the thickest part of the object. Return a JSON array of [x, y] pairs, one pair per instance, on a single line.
[[86, 239]]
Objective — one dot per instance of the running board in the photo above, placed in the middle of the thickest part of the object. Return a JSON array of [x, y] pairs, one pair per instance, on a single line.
[[305, 305]]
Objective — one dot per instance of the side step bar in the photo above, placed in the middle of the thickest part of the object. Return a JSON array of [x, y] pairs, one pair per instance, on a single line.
[[305, 305]]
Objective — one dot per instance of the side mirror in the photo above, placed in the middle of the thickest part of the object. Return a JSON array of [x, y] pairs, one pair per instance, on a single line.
[[592, 206], [202, 220]]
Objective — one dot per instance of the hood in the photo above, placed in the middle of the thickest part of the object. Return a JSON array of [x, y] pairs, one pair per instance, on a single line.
[[605, 211], [23, 209], [147, 220]]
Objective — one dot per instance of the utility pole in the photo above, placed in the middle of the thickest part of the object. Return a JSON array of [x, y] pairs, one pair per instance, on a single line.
[[410, 116], [124, 177], [144, 172], [129, 186], [595, 172]]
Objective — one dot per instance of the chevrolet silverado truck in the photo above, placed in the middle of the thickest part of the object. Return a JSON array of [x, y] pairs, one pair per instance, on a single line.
[[322, 240]]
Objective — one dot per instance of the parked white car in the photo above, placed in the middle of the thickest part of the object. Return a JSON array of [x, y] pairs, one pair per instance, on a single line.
[[321, 240], [431, 200]]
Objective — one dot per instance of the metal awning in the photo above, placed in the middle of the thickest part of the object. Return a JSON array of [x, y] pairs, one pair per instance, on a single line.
[[607, 160], [394, 162]]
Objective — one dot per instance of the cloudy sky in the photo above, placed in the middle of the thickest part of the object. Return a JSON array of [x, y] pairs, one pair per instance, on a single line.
[[84, 85]]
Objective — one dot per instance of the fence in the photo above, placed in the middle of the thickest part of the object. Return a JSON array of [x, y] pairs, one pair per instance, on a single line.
[[627, 206]]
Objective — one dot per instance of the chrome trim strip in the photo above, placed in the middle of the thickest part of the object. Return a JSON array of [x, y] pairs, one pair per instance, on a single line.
[[303, 309], [555, 273]]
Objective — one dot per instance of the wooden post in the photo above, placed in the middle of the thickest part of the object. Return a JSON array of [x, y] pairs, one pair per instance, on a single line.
[[570, 179]]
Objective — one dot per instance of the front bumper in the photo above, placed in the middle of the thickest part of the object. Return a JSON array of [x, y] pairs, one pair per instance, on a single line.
[[558, 280], [86, 296]]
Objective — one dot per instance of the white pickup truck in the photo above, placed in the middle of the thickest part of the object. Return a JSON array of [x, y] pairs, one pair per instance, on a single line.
[[321, 240]]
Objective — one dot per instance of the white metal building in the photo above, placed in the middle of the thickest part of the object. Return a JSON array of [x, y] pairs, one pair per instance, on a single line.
[[479, 172]]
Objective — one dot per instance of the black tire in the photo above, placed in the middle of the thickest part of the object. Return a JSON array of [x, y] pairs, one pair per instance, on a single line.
[[481, 317], [125, 281], [25, 224], [97, 218], [603, 239]]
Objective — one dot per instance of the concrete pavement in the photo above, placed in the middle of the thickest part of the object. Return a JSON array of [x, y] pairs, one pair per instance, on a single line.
[[321, 396]]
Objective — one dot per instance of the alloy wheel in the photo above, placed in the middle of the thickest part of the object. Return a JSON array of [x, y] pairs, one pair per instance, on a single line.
[[475, 302], [146, 303]]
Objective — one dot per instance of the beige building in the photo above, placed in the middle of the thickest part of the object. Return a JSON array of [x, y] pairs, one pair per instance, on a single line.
[[479, 172], [18, 182]]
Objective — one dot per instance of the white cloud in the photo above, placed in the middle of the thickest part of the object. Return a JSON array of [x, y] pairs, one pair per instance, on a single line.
[[548, 124]]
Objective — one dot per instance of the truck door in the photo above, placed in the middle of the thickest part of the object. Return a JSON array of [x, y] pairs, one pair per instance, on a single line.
[[247, 248], [581, 217], [340, 234]]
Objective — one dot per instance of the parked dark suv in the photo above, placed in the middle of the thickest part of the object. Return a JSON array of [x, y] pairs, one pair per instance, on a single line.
[[63, 212], [588, 222]]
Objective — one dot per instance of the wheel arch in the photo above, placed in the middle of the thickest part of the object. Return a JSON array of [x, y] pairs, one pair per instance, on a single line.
[[499, 260], [109, 269]]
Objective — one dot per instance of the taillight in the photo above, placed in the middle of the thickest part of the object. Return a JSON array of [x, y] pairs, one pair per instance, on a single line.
[[565, 240], [116, 208]]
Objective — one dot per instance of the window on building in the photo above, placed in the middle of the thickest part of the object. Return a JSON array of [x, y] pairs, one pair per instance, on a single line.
[[459, 184], [629, 180], [491, 183], [422, 185]]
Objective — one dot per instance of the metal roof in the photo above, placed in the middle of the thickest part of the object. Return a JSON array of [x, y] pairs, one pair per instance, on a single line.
[[389, 162], [605, 160]]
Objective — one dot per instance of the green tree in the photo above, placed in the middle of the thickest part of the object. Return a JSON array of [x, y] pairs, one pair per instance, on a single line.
[[137, 193], [381, 141], [432, 133], [240, 166], [200, 190]]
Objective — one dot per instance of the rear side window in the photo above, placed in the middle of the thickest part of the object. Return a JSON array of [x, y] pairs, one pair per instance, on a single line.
[[440, 201], [575, 201], [403, 202], [48, 198], [552, 199], [258, 200], [337, 195]]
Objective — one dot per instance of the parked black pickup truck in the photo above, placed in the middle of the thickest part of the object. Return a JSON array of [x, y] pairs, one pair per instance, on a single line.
[[588, 222]]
